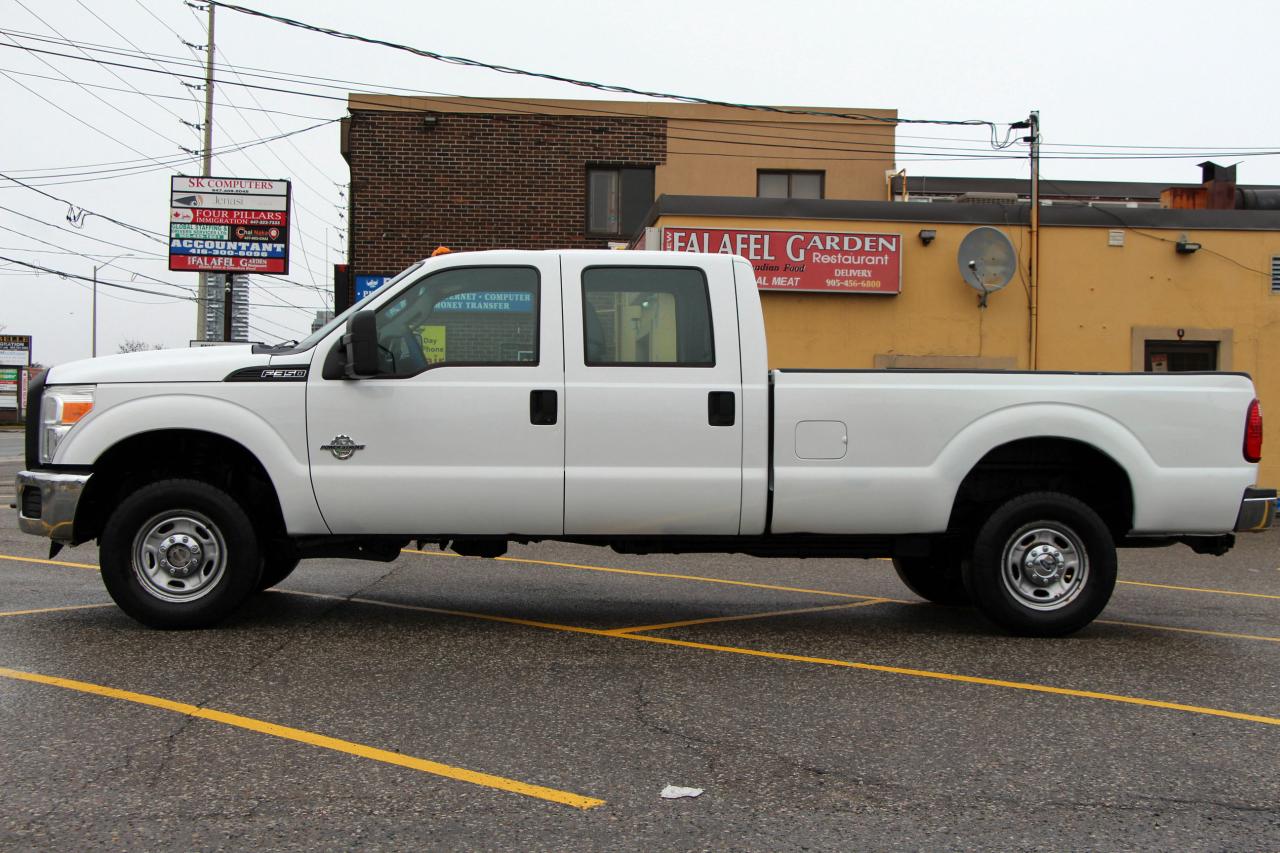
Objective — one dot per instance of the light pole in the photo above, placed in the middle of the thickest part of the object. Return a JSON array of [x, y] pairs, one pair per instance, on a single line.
[[93, 346]]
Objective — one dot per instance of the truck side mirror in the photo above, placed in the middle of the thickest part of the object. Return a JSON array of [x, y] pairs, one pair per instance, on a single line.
[[361, 344]]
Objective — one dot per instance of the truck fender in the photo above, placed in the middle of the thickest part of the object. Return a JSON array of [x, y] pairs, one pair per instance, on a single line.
[[1102, 432], [289, 473]]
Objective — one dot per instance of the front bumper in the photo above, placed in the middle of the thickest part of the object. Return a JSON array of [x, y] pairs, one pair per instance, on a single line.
[[1257, 510], [47, 502]]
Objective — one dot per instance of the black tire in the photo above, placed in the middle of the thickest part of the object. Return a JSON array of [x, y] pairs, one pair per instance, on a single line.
[[938, 578], [1044, 565], [209, 539], [278, 562]]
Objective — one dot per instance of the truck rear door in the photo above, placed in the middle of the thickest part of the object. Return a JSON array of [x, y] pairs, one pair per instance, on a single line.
[[653, 396]]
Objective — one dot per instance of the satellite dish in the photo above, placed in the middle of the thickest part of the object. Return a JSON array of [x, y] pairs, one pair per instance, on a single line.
[[987, 260]]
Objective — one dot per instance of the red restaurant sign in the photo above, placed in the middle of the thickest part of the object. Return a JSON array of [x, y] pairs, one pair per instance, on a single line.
[[806, 261]]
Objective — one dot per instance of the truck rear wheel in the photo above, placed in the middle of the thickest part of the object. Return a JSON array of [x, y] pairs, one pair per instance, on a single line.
[[179, 554], [936, 579], [1044, 565]]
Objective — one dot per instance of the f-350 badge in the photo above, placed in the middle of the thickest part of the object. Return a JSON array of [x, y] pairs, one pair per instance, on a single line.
[[342, 447]]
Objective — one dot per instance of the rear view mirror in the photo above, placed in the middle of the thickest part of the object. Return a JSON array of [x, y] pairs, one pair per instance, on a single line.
[[361, 344]]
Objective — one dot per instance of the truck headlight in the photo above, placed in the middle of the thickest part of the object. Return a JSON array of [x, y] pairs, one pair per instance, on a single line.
[[62, 408]]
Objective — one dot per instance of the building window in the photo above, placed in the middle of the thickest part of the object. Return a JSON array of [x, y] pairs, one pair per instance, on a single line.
[[1275, 274], [1161, 349], [617, 200], [790, 184], [646, 316], [1179, 356]]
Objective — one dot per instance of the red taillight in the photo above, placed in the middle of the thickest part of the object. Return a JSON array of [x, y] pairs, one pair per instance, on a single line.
[[1253, 433]]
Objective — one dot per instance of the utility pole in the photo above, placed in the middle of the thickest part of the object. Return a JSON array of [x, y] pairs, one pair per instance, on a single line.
[[226, 307], [1034, 121], [93, 347], [206, 287]]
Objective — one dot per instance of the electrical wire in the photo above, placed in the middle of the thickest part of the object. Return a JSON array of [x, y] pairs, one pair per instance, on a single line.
[[79, 233], [157, 95], [588, 84], [1109, 211], [82, 213], [65, 274], [78, 177], [921, 155], [92, 94], [503, 103]]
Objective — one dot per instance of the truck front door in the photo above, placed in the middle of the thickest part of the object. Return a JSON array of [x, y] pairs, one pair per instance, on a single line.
[[653, 396], [463, 429]]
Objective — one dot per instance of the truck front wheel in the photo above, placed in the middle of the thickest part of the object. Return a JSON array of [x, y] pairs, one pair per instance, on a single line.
[[279, 559], [179, 554], [1044, 565]]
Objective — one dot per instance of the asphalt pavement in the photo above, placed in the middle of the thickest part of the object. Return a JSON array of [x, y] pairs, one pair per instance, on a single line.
[[11, 445], [544, 700]]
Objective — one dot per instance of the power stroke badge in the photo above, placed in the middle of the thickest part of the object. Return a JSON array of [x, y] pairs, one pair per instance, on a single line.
[[342, 447]]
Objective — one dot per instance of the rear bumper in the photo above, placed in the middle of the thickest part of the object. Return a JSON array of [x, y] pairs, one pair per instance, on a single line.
[[1257, 510], [47, 502]]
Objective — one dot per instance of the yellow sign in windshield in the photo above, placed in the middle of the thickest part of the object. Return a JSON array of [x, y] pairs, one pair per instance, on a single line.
[[433, 343]]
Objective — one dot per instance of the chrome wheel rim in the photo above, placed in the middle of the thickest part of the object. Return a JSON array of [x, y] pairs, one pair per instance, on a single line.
[[179, 556], [1045, 566]]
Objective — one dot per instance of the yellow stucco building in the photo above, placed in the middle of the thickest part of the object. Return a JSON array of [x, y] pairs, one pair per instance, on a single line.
[[1122, 284], [1120, 289]]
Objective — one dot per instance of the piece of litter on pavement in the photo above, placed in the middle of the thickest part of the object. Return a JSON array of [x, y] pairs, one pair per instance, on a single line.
[[675, 792]]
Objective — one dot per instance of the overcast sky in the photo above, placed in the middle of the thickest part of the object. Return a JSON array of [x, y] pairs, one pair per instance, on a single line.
[[1104, 75]]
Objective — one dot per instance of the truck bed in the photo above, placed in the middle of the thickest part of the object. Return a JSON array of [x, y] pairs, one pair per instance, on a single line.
[[885, 451]]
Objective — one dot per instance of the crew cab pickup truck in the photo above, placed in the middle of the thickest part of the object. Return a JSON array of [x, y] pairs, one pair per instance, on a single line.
[[621, 399]]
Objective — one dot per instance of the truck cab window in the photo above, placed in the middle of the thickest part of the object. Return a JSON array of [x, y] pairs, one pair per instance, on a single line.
[[461, 316], [647, 316]]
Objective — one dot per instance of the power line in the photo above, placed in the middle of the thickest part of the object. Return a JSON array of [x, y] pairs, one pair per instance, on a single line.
[[922, 155], [282, 302], [588, 84], [107, 24], [93, 95], [66, 274], [79, 233], [82, 213], [356, 100], [165, 165], [150, 95], [503, 103]]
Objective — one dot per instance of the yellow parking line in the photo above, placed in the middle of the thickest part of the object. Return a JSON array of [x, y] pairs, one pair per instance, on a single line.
[[48, 562], [1189, 630], [705, 579], [895, 670], [766, 615], [335, 744], [699, 578], [1199, 589], [53, 609]]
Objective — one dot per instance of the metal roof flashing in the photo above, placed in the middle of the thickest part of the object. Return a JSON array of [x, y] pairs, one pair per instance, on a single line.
[[1083, 216]]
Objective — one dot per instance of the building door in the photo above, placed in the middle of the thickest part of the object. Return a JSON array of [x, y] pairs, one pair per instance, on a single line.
[[1180, 356], [462, 431], [653, 397]]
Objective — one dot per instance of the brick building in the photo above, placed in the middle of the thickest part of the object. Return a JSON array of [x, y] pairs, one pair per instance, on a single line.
[[500, 173]]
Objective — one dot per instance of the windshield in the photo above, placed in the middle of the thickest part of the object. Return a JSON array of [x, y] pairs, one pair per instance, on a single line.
[[318, 335]]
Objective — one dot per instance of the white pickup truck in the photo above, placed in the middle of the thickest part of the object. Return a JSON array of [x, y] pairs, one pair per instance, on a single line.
[[621, 398]]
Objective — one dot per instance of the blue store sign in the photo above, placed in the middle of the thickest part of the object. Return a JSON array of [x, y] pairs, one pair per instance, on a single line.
[[366, 284]]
